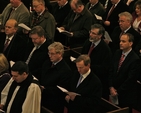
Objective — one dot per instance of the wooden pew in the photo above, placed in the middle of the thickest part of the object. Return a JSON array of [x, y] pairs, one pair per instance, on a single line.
[[121, 110], [45, 110], [107, 107]]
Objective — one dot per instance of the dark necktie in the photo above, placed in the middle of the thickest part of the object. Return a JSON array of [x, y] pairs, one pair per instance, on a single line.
[[90, 6], [80, 80], [91, 48], [121, 61], [52, 65], [6, 44], [121, 34], [76, 16], [10, 13], [110, 11]]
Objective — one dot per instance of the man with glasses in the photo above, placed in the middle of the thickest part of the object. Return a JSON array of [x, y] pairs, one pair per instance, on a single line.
[[55, 72], [36, 51], [100, 55], [125, 26], [41, 17]]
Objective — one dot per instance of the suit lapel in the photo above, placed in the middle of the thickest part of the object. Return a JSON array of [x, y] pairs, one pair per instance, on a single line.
[[127, 59]]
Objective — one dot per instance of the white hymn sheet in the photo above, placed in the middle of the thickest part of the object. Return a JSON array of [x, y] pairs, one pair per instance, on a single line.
[[62, 89], [12, 63], [114, 99], [72, 58], [66, 91], [98, 17]]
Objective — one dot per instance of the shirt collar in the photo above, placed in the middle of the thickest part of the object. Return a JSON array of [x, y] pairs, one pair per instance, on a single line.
[[126, 53], [93, 4], [117, 3], [15, 8], [127, 29], [57, 62], [96, 43], [64, 4], [86, 74], [10, 38]]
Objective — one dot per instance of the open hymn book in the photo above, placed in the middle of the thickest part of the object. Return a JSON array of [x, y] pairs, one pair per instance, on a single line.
[[63, 31], [65, 90]]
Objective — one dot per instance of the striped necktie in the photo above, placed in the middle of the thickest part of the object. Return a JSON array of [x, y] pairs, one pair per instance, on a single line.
[[121, 61], [6, 44], [110, 11], [91, 48]]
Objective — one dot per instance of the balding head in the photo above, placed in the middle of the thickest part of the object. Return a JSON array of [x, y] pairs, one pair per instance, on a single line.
[[11, 27]]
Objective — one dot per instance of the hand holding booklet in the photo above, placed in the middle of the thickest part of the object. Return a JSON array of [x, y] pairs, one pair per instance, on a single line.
[[64, 31], [65, 90]]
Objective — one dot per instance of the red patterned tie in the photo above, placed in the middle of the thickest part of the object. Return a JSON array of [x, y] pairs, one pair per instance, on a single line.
[[6, 44], [91, 48], [110, 11], [121, 61]]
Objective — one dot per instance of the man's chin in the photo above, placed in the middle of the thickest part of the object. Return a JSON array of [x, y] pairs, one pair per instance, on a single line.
[[121, 48]]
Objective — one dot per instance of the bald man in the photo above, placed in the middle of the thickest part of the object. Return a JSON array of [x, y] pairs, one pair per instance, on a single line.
[[11, 44]]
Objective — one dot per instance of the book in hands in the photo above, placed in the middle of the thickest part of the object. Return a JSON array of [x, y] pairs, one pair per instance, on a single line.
[[107, 36], [65, 90], [72, 58], [98, 17], [24, 26], [64, 31]]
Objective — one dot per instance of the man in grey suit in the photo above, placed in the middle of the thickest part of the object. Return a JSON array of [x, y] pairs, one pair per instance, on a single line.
[[15, 10]]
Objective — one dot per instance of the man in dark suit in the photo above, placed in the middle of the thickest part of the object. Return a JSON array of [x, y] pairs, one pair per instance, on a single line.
[[125, 21], [60, 11], [55, 72], [85, 88], [36, 51], [11, 44], [111, 15], [95, 7], [42, 17], [124, 71], [100, 55], [77, 22]]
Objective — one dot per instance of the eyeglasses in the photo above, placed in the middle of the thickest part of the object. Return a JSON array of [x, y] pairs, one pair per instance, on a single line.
[[35, 38], [52, 54], [93, 33], [121, 21], [35, 6]]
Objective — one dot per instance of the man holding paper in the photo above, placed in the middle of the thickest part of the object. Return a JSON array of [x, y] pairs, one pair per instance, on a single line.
[[85, 88]]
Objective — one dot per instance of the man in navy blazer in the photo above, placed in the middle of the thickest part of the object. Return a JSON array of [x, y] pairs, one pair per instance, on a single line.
[[111, 21], [36, 58], [125, 21], [16, 46], [85, 94], [123, 75], [55, 72], [100, 55]]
